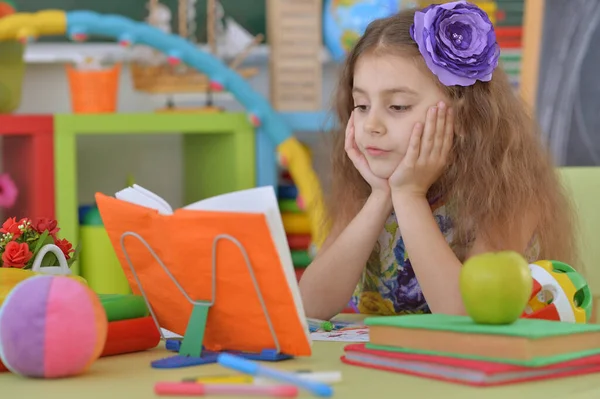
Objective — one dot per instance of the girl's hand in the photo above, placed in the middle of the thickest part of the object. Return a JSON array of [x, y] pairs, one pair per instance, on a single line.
[[427, 153], [360, 162]]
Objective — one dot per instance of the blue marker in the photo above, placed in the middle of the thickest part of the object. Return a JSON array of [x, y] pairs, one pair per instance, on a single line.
[[249, 367]]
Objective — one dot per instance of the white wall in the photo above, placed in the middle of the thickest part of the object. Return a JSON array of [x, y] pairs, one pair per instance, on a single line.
[[153, 160]]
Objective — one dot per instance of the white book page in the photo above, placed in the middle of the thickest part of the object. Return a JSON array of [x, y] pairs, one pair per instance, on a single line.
[[253, 200], [281, 244], [165, 205], [140, 196]]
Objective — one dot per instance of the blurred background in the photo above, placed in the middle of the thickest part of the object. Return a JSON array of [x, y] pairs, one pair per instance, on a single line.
[[252, 35]]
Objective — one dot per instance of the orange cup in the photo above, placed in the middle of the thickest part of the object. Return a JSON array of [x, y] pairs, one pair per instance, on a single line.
[[94, 91]]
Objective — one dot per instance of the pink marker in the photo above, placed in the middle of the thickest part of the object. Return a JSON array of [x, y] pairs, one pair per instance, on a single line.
[[195, 389]]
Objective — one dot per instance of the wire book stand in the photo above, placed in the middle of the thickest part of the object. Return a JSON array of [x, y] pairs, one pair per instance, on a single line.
[[190, 349]]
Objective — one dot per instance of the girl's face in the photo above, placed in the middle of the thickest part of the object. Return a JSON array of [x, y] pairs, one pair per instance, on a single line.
[[390, 95]]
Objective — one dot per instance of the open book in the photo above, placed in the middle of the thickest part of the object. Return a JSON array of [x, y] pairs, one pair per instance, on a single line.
[[183, 239]]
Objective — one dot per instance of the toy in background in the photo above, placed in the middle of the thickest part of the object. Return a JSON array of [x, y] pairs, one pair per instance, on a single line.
[[105, 325], [344, 21], [46, 320], [295, 222], [156, 73], [559, 293], [159, 16], [130, 328]]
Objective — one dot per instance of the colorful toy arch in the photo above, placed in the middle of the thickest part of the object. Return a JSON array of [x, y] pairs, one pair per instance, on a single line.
[[79, 25]]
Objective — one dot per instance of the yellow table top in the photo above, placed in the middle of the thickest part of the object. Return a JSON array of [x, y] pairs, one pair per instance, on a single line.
[[130, 376]]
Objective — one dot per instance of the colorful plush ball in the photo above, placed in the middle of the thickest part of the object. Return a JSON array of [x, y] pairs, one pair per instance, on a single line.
[[51, 327]]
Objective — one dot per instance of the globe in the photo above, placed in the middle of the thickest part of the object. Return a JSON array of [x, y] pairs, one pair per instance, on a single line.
[[344, 22]]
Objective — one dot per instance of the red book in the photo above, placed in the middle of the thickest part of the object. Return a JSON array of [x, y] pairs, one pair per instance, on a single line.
[[464, 371]]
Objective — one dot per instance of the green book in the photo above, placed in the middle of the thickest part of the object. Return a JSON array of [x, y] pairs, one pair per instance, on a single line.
[[526, 342]]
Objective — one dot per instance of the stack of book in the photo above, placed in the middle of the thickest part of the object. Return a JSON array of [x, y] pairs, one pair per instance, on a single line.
[[456, 349], [295, 222]]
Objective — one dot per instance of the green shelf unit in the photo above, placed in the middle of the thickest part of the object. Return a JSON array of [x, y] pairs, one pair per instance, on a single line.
[[219, 154]]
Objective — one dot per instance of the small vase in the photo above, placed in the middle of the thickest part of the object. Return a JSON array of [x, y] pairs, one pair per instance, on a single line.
[[61, 269]]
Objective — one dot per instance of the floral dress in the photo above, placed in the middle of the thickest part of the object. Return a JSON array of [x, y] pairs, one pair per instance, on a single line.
[[388, 285]]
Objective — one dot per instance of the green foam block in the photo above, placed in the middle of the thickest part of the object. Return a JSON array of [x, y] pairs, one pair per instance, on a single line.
[[123, 307]]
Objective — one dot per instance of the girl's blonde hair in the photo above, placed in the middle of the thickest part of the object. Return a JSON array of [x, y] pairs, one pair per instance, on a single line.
[[499, 170]]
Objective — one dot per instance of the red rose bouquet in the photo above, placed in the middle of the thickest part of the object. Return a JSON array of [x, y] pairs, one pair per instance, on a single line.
[[21, 240]]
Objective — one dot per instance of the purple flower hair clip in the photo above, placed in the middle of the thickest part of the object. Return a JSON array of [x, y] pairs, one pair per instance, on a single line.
[[457, 41]]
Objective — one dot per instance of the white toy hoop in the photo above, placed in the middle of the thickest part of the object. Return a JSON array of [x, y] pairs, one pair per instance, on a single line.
[[560, 300]]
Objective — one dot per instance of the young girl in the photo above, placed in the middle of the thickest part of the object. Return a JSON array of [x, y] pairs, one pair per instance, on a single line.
[[439, 161]]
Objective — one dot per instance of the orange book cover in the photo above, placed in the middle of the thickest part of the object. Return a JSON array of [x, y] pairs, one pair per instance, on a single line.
[[183, 239]]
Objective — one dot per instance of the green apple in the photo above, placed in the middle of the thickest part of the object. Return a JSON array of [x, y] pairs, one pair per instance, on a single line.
[[495, 287]]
